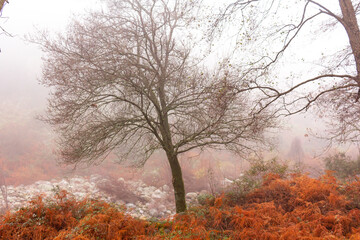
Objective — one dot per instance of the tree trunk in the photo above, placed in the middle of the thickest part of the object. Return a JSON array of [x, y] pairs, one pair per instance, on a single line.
[[178, 183], [2, 3], [352, 28]]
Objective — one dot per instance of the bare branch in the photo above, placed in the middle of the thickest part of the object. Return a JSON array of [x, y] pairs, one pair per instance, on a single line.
[[122, 83]]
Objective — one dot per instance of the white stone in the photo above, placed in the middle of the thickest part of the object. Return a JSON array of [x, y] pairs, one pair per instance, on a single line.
[[153, 212], [143, 217], [120, 202], [191, 195], [130, 206], [63, 183], [42, 182], [77, 181], [80, 195], [45, 187], [158, 194], [154, 200], [162, 208]]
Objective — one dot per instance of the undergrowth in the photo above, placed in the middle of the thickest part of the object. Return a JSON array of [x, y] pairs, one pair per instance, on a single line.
[[298, 207]]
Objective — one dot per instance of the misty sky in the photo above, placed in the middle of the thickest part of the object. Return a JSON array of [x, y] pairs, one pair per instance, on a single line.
[[20, 62]]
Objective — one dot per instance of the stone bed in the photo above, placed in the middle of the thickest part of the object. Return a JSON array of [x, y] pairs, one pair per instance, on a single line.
[[146, 202]]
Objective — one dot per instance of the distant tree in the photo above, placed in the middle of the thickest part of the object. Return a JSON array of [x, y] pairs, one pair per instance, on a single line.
[[334, 90], [296, 152], [124, 80], [343, 166]]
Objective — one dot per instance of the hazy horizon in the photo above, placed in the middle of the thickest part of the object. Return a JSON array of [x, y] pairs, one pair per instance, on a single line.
[[22, 98]]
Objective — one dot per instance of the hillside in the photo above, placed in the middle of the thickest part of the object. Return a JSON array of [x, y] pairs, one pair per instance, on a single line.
[[296, 207]]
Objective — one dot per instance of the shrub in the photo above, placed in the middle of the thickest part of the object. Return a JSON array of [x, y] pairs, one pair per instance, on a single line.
[[260, 167], [343, 166], [205, 198], [297, 207], [65, 218], [259, 171]]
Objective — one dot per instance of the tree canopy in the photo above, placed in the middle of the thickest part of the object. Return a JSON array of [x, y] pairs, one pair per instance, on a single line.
[[124, 79]]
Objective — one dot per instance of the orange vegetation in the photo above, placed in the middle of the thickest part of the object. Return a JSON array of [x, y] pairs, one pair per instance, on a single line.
[[295, 208]]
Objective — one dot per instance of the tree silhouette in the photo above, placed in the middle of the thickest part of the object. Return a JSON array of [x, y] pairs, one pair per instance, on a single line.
[[296, 152], [124, 79]]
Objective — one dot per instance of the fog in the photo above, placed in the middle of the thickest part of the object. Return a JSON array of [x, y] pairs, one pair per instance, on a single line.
[[24, 139]]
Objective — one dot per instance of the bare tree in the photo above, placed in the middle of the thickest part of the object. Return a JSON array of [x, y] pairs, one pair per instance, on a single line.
[[296, 152], [334, 90], [123, 80]]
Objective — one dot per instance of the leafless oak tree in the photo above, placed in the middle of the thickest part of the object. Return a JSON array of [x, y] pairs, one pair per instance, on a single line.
[[123, 79], [336, 89]]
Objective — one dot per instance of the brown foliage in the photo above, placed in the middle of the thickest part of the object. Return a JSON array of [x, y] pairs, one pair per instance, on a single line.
[[295, 208], [66, 218]]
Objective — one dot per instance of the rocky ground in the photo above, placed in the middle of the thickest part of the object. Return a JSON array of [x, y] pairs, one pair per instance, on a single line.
[[140, 200]]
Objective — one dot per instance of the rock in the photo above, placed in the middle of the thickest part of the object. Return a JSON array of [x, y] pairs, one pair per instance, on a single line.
[[45, 187], [130, 206], [153, 212], [162, 208], [158, 194], [191, 195], [63, 183], [150, 189], [143, 217], [146, 197], [42, 182], [77, 181], [80, 195], [120, 202], [166, 188], [154, 202]]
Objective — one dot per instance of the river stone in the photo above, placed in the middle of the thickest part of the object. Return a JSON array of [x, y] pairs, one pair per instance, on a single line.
[[191, 195]]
